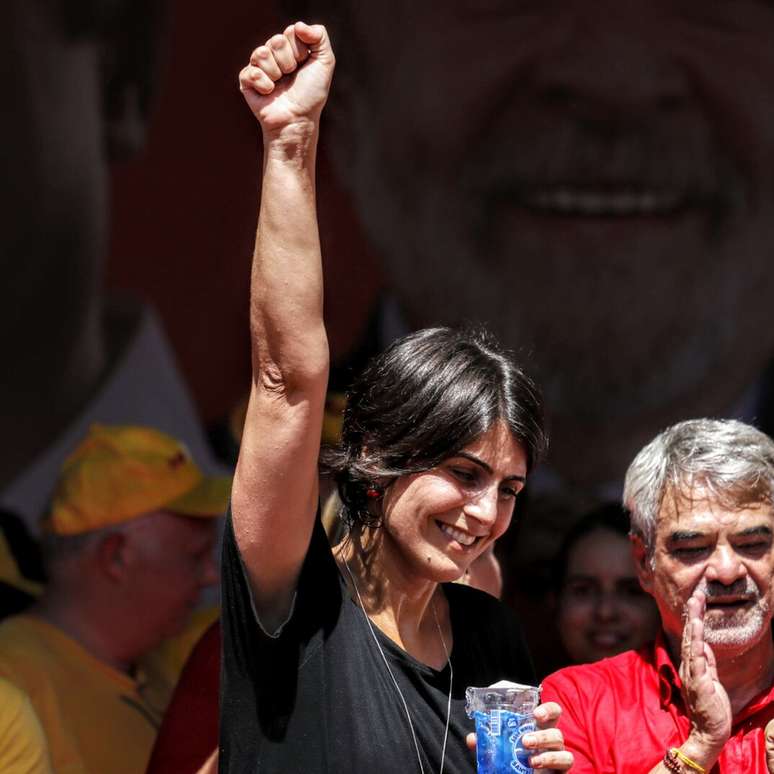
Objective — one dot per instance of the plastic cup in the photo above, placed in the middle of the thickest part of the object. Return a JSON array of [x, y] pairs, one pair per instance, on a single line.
[[503, 713]]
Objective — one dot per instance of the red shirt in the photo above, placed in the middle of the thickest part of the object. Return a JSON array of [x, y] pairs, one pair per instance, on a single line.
[[189, 731], [621, 715]]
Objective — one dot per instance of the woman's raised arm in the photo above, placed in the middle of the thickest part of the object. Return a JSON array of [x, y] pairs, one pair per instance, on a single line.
[[275, 487]]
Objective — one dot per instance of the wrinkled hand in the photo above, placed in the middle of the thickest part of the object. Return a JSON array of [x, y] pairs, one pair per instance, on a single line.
[[706, 699], [289, 77], [547, 743]]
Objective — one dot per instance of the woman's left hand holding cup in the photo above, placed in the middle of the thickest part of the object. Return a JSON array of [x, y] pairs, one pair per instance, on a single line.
[[546, 744]]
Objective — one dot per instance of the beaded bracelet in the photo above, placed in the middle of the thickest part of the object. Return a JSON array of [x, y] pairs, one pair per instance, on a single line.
[[672, 762], [675, 760]]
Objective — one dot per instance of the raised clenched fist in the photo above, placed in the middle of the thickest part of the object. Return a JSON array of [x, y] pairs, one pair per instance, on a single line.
[[288, 78]]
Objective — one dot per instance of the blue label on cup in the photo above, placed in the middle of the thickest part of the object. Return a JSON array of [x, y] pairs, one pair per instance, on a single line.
[[498, 742]]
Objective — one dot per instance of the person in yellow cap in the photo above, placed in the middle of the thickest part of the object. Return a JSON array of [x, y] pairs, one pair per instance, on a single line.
[[128, 546]]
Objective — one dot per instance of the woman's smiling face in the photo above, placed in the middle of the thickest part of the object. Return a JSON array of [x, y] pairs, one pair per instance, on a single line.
[[438, 521], [602, 608]]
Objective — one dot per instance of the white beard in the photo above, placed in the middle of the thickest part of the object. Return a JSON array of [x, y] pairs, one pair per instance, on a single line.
[[742, 627]]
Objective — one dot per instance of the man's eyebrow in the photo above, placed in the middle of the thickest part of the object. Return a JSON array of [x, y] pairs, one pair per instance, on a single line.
[[761, 530], [486, 466], [680, 535]]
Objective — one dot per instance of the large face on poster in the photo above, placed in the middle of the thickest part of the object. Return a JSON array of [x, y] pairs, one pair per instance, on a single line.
[[79, 77], [595, 180], [53, 191]]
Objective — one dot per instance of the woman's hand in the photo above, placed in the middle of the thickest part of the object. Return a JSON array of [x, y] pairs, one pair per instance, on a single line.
[[546, 743], [288, 78]]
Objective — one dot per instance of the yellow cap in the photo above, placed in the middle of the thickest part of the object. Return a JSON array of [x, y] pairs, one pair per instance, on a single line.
[[120, 472]]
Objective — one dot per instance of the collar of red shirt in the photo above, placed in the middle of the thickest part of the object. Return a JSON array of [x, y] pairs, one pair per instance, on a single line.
[[670, 685]]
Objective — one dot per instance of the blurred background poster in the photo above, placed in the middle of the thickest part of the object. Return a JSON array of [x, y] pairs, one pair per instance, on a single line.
[[594, 182]]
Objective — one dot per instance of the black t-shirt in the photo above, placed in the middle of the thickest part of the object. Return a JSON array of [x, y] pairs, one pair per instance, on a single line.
[[319, 698]]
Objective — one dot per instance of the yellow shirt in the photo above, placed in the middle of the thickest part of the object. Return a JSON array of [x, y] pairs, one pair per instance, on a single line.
[[96, 719], [22, 743]]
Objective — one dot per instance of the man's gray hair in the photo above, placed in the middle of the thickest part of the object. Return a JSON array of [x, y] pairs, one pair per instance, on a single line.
[[731, 463]]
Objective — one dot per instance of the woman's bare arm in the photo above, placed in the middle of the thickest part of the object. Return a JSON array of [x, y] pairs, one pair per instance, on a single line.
[[275, 487]]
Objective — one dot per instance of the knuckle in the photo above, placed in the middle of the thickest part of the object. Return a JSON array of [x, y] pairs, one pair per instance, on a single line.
[[244, 80], [277, 41], [547, 760]]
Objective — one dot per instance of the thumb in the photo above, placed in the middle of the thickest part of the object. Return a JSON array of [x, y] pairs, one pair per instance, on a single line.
[[769, 736]]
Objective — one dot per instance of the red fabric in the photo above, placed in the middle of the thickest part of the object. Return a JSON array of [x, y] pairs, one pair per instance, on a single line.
[[189, 731], [621, 714]]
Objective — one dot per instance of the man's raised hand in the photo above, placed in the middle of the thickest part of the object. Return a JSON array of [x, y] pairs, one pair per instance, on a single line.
[[706, 699], [288, 78]]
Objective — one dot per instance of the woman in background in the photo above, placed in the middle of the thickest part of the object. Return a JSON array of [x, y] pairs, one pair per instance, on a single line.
[[602, 610]]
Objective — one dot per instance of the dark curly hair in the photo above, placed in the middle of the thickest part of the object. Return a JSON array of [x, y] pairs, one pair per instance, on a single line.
[[419, 402]]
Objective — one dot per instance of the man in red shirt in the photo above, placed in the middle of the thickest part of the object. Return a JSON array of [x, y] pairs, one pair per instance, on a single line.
[[701, 497]]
